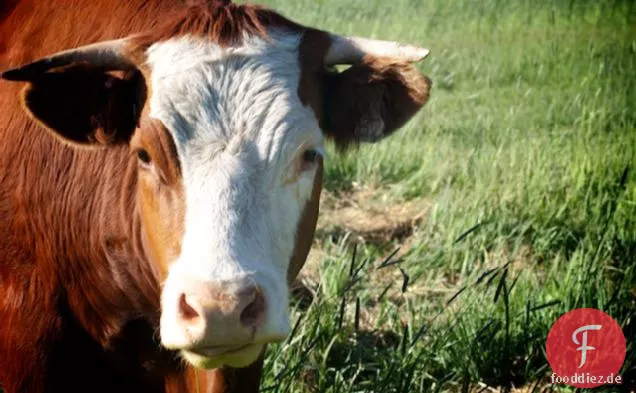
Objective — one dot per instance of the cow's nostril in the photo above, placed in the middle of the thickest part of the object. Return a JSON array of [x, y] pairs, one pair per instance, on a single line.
[[254, 314], [186, 311]]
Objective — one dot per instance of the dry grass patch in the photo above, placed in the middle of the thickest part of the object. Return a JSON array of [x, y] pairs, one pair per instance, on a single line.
[[363, 215], [369, 216]]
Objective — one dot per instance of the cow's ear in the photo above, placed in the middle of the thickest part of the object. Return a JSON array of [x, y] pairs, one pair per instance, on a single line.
[[371, 100], [83, 95], [86, 106]]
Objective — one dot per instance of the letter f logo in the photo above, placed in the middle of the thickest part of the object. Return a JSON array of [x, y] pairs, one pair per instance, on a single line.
[[584, 347]]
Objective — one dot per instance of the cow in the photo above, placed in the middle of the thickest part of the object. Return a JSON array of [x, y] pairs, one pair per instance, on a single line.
[[160, 171]]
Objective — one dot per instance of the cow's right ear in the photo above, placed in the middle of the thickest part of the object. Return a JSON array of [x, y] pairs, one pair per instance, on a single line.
[[91, 95]]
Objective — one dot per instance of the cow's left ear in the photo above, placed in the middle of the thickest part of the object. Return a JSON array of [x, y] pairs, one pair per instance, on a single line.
[[371, 100], [91, 95], [376, 95]]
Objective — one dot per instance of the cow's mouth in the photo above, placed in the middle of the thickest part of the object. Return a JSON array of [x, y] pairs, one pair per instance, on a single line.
[[213, 357], [210, 352]]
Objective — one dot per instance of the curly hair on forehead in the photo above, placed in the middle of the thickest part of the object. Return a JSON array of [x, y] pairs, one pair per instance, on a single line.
[[220, 21]]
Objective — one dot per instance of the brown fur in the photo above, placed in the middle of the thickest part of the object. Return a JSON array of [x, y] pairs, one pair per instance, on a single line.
[[218, 21], [311, 53], [161, 194], [306, 228], [79, 271]]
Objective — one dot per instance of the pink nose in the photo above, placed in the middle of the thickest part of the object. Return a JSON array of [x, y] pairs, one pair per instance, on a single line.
[[220, 313]]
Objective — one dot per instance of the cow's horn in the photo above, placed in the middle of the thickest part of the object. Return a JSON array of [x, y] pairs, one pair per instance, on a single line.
[[107, 55], [351, 50]]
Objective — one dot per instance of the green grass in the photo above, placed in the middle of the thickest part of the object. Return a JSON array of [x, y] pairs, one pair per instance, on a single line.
[[526, 154]]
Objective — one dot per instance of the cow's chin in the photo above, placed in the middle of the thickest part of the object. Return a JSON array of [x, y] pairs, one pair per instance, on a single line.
[[237, 358]]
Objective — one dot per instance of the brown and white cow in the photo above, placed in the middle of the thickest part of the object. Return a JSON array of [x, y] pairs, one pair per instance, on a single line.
[[159, 183]]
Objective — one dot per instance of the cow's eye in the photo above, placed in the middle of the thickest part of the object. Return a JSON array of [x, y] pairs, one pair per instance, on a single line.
[[309, 159], [143, 157], [310, 156]]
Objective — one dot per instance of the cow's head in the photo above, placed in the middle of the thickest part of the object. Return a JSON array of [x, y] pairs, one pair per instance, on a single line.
[[225, 109]]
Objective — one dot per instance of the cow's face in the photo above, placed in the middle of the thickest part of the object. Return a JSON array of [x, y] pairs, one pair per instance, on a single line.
[[247, 154], [228, 143]]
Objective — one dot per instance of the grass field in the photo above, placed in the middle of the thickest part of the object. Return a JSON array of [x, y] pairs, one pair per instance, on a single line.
[[521, 172]]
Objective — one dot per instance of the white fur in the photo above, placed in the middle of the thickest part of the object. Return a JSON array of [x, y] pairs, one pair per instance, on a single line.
[[238, 124]]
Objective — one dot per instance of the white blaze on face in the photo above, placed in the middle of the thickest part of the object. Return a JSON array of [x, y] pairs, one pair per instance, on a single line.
[[239, 128]]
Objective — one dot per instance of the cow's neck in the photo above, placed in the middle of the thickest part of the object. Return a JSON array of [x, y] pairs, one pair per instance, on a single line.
[[113, 263]]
